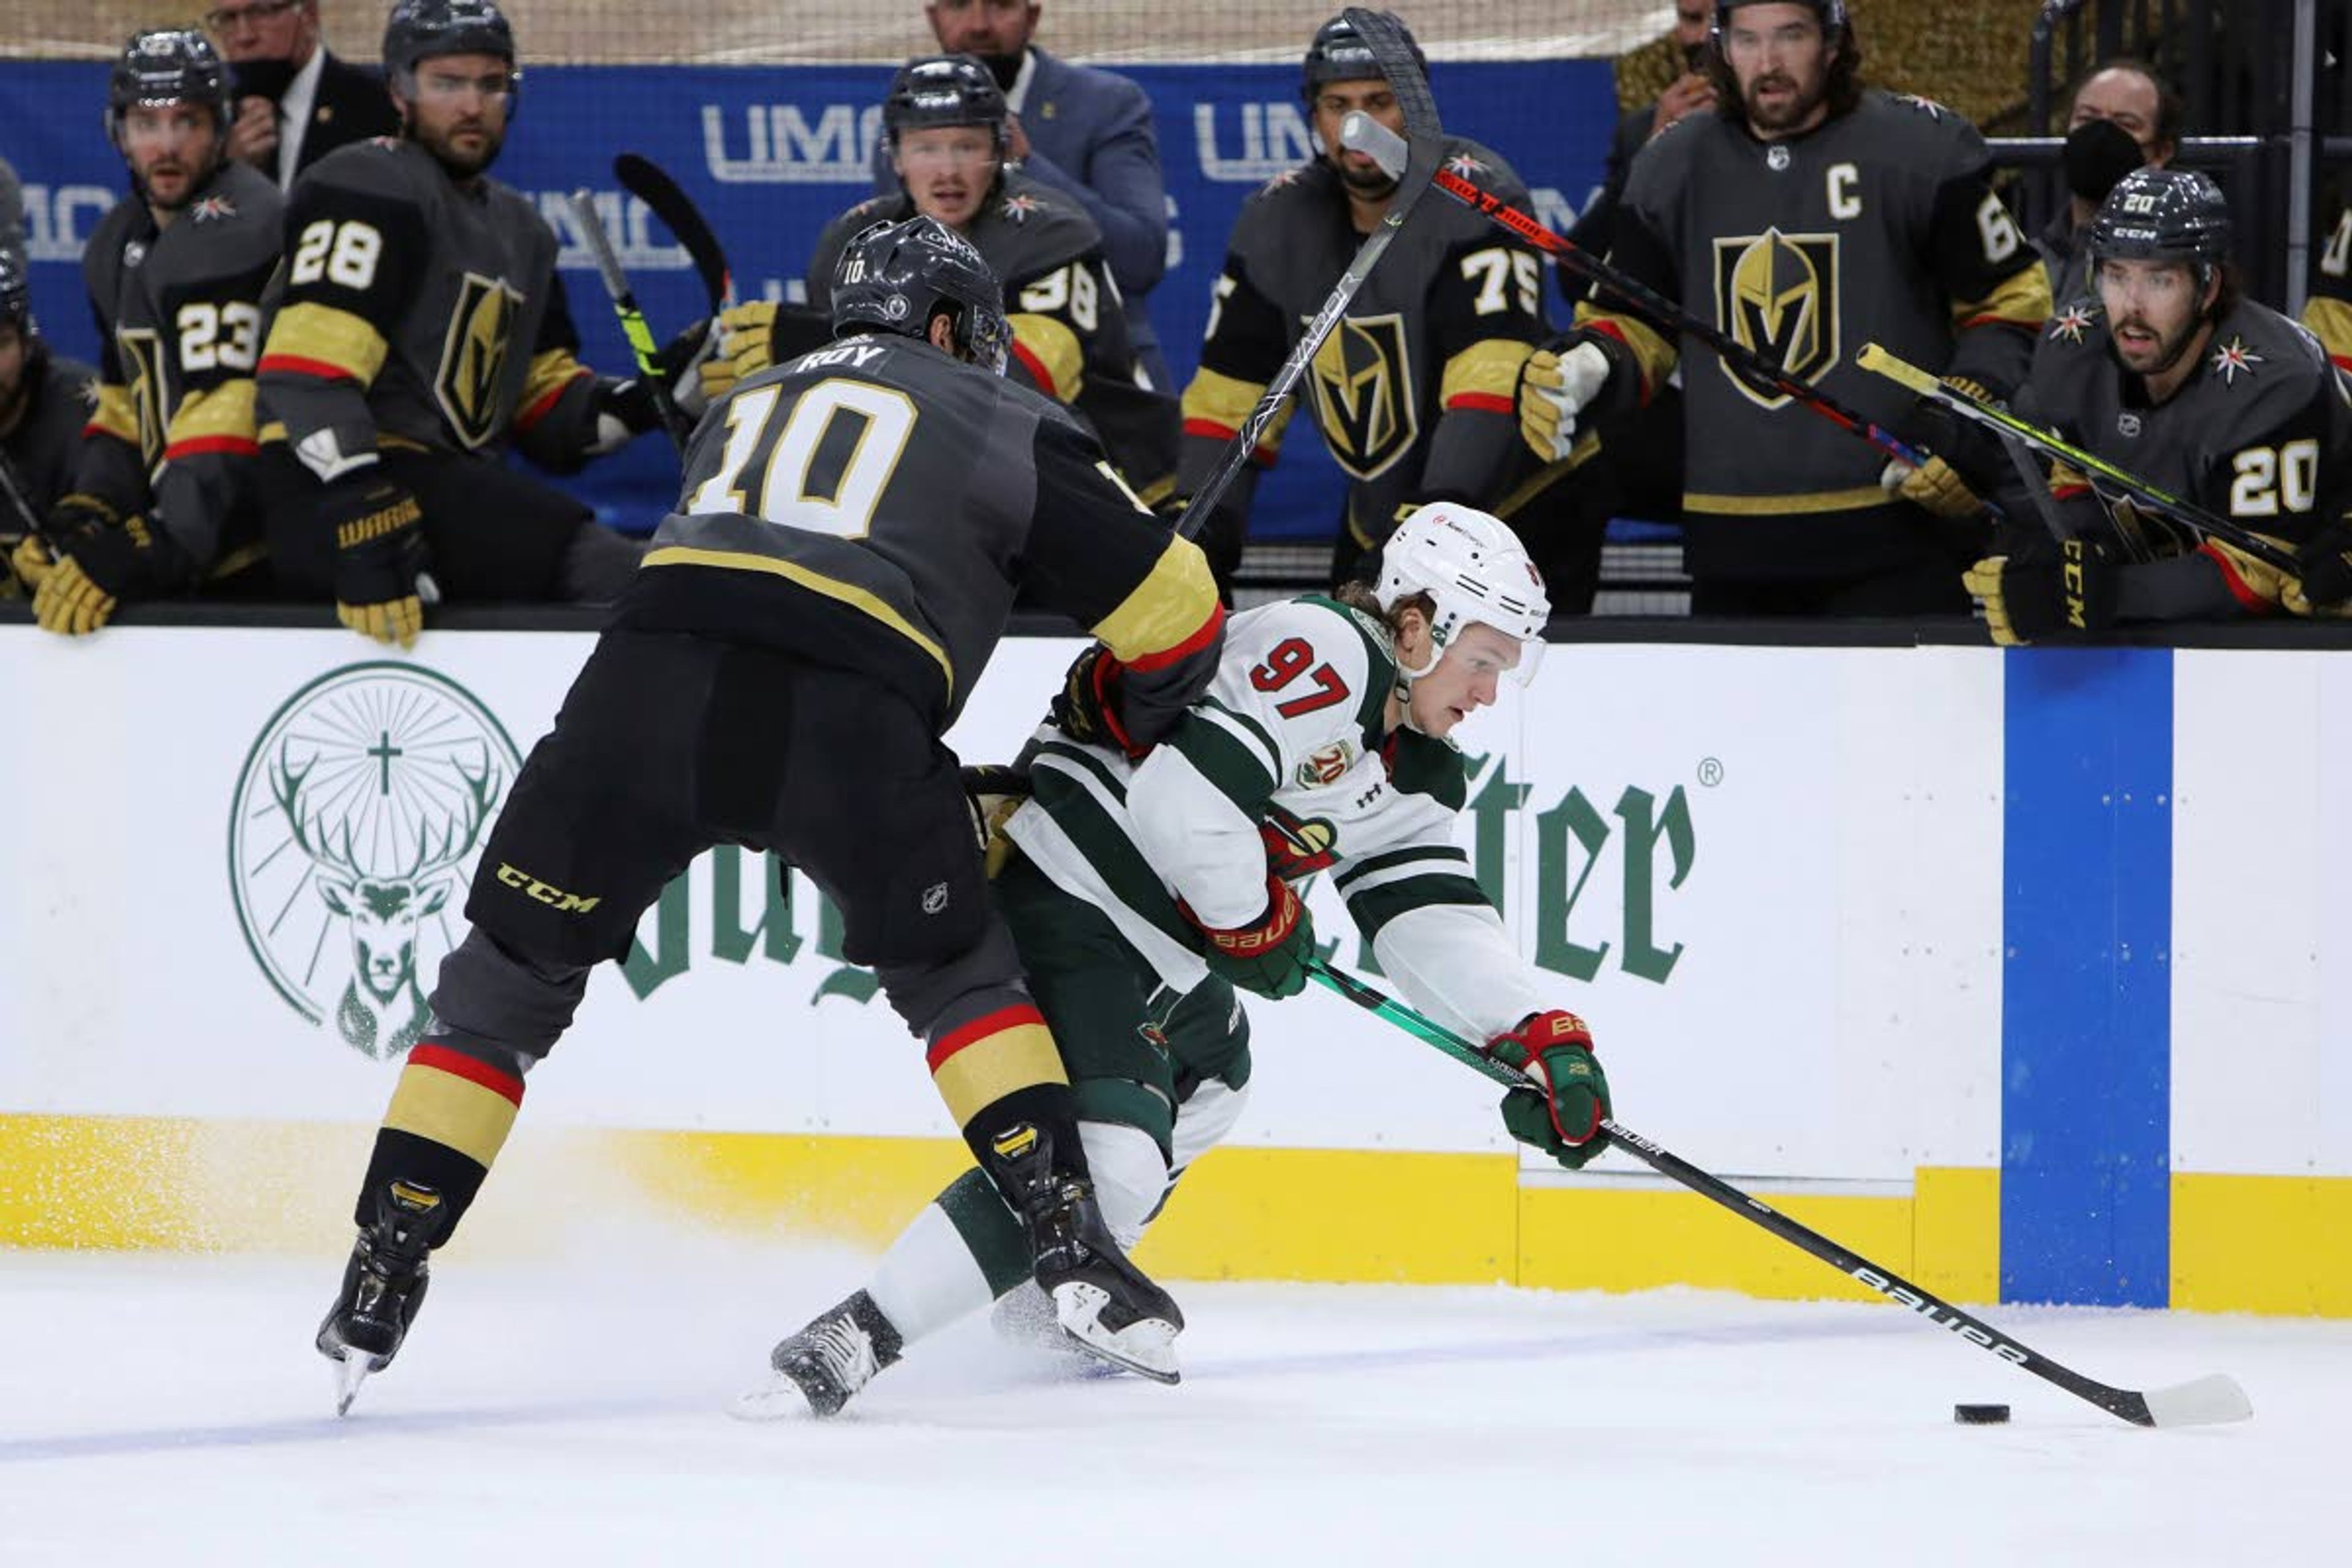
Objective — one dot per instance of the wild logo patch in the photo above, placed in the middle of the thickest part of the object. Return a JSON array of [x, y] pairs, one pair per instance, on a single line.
[[357, 817], [1363, 393], [1776, 294], [474, 357]]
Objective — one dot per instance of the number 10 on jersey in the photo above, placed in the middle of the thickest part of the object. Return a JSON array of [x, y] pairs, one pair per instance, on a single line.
[[828, 459]]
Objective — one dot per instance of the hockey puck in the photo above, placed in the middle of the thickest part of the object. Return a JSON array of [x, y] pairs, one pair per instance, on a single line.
[[1979, 1415]]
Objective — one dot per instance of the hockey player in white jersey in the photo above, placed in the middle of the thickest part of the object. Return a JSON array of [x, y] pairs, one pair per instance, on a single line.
[[1143, 888]]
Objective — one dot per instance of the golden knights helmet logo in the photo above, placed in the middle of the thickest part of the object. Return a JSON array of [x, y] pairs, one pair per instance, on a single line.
[[474, 359], [1778, 294], [142, 372], [357, 817], [1362, 377]]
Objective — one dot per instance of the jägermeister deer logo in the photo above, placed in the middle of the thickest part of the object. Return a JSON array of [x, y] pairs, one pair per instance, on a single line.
[[357, 817]]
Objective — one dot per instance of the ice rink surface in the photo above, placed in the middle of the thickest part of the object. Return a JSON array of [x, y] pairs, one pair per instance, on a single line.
[[165, 1410]]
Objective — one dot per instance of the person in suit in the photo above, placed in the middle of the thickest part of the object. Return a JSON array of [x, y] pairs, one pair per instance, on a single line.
[[1085, 132], [295, 101]]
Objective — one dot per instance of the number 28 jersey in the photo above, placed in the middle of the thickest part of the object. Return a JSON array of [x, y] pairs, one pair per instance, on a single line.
[[1287, 763]]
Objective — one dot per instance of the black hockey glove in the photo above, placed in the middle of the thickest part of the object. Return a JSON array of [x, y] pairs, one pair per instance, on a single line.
[[2326, 578], [378, 529], [1087, 709], [93, 568], [2058, 596]]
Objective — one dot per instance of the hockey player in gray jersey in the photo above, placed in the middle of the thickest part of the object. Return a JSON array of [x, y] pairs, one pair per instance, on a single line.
[[1806, 218], [165, 498], [2167, 373], [1412, 390], [44, 401], [422, 328], [945, 126], [1144, 888], [853, 528]]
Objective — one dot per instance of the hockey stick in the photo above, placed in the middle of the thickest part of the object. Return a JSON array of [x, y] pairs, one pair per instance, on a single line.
[[2203, 1401], [2010, 427], [650, 183], [633, 319], [1385, 39], [1387, 148]]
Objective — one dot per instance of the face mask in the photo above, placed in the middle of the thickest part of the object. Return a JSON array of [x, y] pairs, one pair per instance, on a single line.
[[260, 79], [2099, 153]]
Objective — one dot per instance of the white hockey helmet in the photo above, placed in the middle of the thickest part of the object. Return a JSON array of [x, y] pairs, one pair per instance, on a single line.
[[1473, 569]]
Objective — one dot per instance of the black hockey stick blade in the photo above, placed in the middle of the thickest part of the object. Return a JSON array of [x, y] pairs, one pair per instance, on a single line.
[[2204, 1402], [2010, 427], [1385, 35], [651, 183], [642, 346]]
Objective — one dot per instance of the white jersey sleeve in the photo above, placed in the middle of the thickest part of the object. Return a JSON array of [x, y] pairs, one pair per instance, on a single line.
[[1297, 679]]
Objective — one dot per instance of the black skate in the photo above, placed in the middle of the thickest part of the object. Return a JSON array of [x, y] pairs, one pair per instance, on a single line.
[[820, 1368], [1105, 1303], [383, 1285]]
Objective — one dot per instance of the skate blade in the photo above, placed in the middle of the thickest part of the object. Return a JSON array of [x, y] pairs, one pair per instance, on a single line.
[[1146, 1347], [778, 1399], [351, 1371]]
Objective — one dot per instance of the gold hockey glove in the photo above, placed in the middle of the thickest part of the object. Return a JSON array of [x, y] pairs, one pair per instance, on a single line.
[[1554, 388]]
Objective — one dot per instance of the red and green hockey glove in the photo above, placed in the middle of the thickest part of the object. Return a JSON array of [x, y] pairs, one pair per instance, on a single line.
[[1562, 1114]]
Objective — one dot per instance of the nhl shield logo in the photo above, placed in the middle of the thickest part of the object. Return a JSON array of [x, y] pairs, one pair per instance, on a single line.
[[357, 820], [1363, 394], [474, 357], [1776, 294]]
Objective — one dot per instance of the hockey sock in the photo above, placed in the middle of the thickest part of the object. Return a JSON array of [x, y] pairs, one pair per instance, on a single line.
[[936, 1273], [449, 1117]]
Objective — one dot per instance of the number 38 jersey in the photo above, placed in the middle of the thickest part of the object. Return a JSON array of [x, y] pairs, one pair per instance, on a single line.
[[876, 504], [1287, 763], [179, 324], [419, 311]]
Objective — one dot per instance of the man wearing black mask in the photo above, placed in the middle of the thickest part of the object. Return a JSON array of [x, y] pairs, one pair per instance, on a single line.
[[295, 101], [2124, 118]]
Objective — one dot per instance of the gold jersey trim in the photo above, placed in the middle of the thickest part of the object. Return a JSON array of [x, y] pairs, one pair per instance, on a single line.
[[1489, 368], [1167, 609], [1053, 353], [225, 411], [1654, 354], [1779, 506], [849, 593], [2022, 299], [1226, 401], [325, 336]]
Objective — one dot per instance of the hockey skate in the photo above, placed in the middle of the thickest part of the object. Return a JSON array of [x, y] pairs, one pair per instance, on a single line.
[[1105, 1303], [383, 1285], [818, 1370]]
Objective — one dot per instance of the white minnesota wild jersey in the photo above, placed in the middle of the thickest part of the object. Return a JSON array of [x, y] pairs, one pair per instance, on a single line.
[[1286, 761]]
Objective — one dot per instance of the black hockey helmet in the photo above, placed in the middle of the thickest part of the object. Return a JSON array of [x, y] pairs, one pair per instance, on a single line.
[[898, 276], [1831, 13], [1339, 54], [166, 65], [2163, 215], [425, 29], [945, 90], [17, 295]]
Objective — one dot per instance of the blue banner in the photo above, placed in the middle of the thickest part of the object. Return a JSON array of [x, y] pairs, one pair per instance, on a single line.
[[772, 154]]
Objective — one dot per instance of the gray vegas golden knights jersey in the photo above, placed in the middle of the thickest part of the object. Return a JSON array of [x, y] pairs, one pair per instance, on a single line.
[[874, 505], [1879, 226], [1414, 389], [2261, 432], [1286, 763], [419, 313], [179, 316], [1069, 328]]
